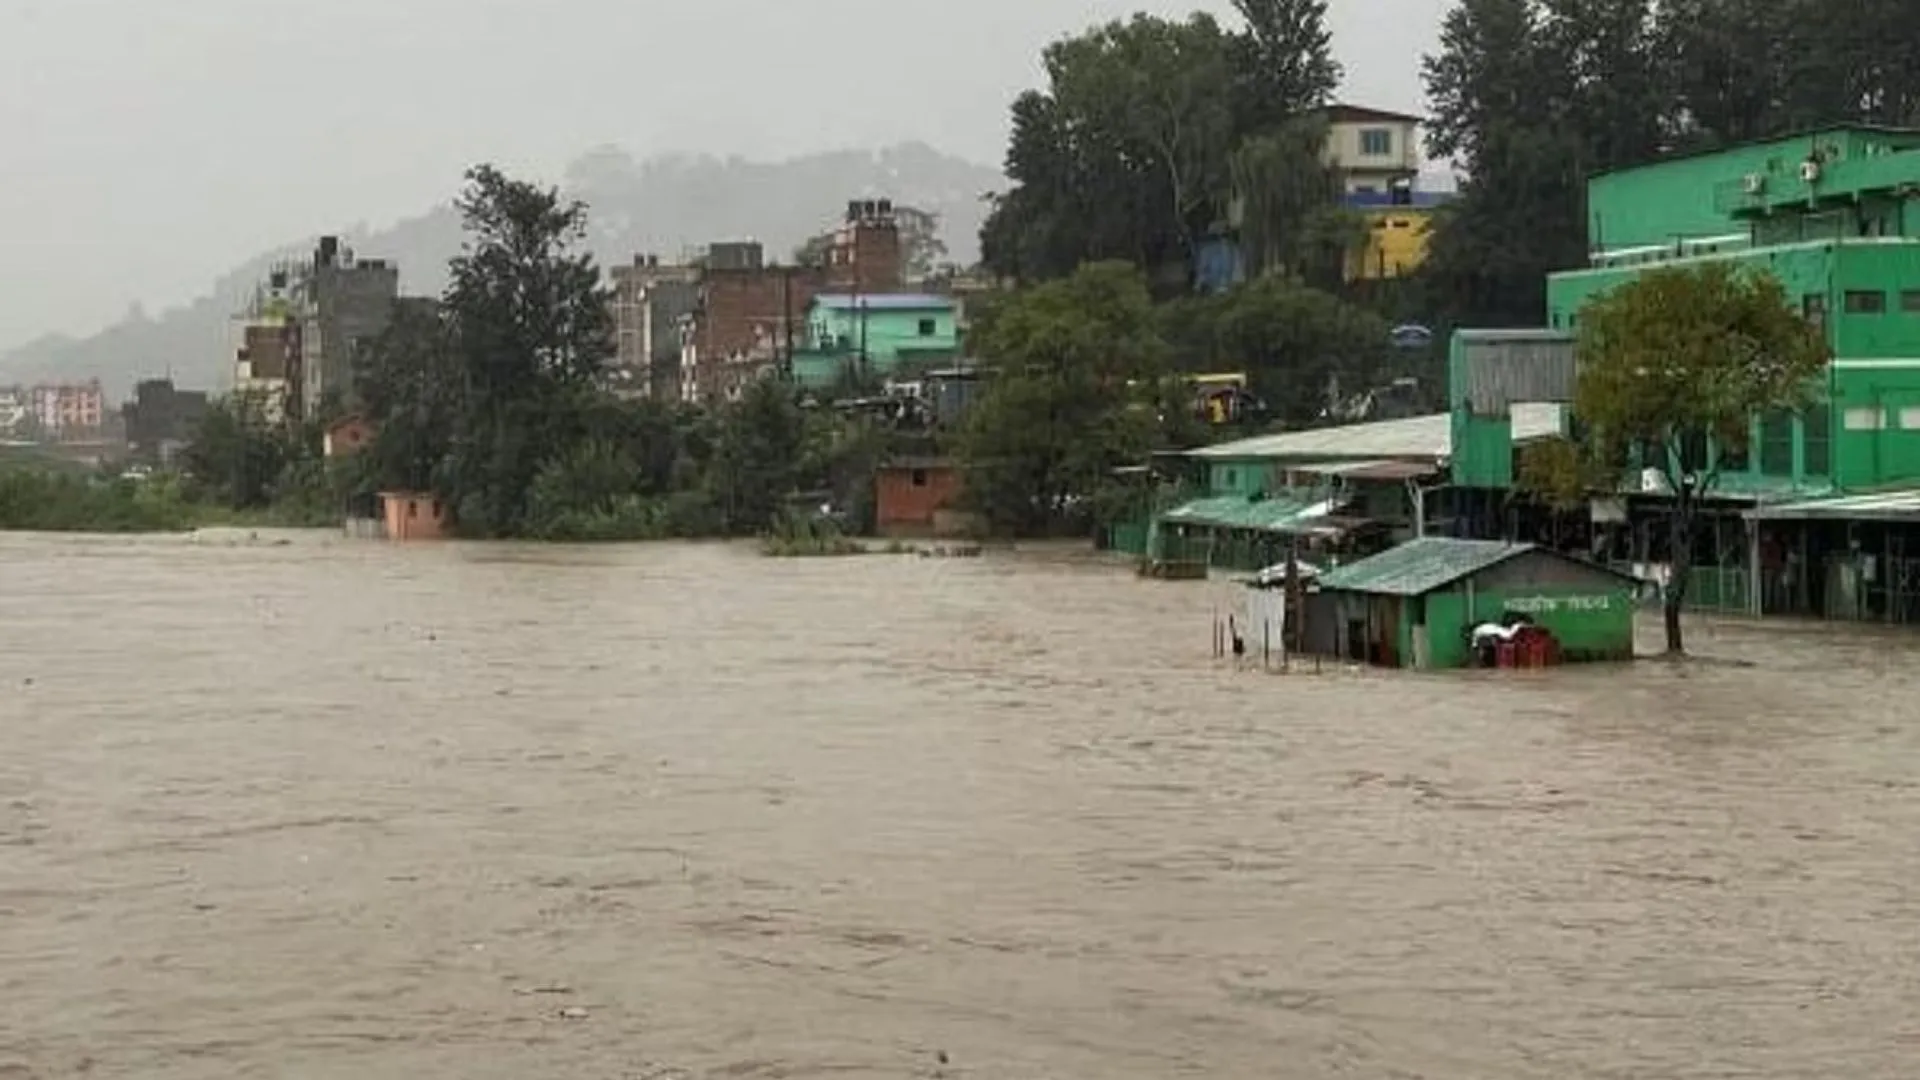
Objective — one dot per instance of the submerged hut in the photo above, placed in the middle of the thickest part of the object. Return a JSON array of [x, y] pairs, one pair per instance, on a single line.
[[1417, 605]]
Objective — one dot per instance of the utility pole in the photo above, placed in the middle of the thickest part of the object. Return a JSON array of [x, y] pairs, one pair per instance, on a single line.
[[786, 310]]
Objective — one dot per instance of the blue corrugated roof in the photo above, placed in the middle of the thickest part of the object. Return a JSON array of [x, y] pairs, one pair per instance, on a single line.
[[886, 301]]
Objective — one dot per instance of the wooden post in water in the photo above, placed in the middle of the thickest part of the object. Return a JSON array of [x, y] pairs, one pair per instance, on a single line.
[[1266, 642]]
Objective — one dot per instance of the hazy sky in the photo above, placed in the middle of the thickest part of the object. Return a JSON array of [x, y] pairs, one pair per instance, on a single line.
[[147, 146]]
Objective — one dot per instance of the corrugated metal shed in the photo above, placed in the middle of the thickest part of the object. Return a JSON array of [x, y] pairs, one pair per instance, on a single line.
[[1260, 515], [1495, 368], [1418, 438], [1901, 505]]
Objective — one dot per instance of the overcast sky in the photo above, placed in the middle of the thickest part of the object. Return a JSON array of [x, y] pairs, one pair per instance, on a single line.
[[147, 146]]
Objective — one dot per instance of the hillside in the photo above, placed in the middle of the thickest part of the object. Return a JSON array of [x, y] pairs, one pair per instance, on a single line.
[[664, 205]]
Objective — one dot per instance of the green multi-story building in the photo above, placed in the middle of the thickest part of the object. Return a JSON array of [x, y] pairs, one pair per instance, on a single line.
[[1835, 215], [878, 334]]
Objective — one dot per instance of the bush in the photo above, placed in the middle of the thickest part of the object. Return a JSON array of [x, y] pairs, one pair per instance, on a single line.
[[39, 501], [793, 536]]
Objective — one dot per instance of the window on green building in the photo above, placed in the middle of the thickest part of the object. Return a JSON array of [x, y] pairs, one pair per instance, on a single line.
[[1816, 427], [1910, 301], [1814, 307], [926, 327], [1776, 443], [1865, 302]]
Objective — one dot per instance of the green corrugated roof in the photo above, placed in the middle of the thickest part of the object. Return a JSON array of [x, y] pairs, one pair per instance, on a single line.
[[1241, 512], [1422, 565]]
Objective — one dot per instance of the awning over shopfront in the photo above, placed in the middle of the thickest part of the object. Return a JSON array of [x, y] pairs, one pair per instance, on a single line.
[[1291, 517], [1902, 506]]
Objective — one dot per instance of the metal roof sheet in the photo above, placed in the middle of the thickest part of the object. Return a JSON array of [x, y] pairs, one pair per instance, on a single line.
[[1371, 470], [1899, 505], [1426, 563], [1419, 438], [1421, 565], [1260, 515]]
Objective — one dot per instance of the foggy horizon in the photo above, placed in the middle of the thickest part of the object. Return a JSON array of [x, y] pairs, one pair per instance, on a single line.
[[152, 149]]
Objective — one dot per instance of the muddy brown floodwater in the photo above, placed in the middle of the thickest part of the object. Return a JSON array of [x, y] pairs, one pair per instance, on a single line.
[[329, 810]]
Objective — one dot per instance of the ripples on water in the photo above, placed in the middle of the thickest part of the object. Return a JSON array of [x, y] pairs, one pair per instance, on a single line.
[[338, 810]]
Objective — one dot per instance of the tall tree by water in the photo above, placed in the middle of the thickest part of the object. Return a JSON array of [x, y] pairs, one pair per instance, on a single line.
[[530, 328], [1674, 367]]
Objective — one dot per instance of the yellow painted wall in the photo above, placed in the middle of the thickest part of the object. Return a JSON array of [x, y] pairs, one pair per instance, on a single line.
[[1396, 243]]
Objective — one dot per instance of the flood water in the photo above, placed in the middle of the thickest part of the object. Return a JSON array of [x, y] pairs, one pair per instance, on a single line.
[[337, 810]]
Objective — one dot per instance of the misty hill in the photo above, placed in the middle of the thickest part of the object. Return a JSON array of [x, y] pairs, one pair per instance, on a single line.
[[665, 205]]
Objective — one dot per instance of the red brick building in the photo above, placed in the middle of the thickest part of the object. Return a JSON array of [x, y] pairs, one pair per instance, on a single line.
[[745, 309], [740, 324], [917, 497]]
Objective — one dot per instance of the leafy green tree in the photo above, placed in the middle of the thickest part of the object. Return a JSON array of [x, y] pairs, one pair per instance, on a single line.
[[1674, 366], [236, 454], [1283, 64], [410, 392], [530, 328], [757, 457], [1067, 406], [1287, 205]]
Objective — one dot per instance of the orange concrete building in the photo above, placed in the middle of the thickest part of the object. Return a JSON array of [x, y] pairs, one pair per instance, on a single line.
[[413, 515]]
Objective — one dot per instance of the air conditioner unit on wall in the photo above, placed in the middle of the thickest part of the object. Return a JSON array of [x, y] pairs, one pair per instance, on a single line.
[[1755, 183], [1809, 171]]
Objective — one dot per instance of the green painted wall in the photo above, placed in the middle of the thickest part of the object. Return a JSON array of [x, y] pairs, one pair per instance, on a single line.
[[1698, 196], [1866, 430], [1589, 623], [891, 334], [1482, 450], [1240, 476]]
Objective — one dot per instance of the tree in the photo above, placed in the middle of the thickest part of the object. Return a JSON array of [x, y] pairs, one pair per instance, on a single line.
[[1287, 205], [1076, 360], [757, 456], [1674, 366], [1124, 157], [1300, 345], [530, 329], [1283, 64], [1164, 89], [1532, 97], [236, 454], [409, 388]]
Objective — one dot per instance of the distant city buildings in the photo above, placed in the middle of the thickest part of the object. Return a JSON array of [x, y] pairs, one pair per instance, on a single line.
[[160, 420], [741, 318], [649, 301], [298, 338], [53, 412]]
